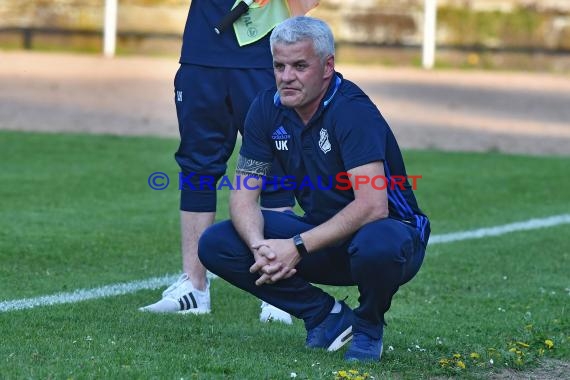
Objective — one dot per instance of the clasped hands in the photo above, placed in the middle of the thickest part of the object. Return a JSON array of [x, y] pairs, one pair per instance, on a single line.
[[275, 259]]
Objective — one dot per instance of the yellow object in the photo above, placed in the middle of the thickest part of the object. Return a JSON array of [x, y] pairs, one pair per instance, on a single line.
[[473, 59], [264, 15]]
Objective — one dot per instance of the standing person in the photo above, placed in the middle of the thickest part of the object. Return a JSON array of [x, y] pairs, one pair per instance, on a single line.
[[362, 225], [214, 86]]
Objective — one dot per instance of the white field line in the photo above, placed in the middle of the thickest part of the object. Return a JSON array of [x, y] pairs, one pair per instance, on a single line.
[[87, 294], [531, 224], [157, 282]]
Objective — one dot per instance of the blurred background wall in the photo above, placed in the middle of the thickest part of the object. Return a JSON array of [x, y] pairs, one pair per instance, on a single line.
[[520, 34]]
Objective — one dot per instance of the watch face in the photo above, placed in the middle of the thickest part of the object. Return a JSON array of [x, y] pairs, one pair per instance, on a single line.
[[300, 245]]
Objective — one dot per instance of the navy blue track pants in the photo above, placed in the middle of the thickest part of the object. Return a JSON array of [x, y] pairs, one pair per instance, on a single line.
[[379, 258]]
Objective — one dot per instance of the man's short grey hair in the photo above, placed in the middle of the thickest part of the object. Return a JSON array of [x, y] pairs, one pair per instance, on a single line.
[[302, 28]]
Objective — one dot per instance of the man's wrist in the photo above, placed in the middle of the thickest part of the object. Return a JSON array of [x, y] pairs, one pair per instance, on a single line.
[[300, 245]]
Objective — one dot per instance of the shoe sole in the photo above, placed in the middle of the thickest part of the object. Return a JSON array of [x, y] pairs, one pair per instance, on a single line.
[[341, 340]]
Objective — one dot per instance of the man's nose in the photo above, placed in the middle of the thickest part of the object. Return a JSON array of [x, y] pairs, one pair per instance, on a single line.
[[288, 74]]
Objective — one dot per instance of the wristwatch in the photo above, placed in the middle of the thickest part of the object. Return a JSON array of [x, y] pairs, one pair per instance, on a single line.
[[298, 240]]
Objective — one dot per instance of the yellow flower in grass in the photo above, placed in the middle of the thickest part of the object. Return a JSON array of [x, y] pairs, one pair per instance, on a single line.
[[474, 355], [460, 364], [457, 356], [549, 344], [351, 374], [444, 362]]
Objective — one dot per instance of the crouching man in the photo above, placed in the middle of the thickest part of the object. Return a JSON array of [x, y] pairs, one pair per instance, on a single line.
[[356, 230]]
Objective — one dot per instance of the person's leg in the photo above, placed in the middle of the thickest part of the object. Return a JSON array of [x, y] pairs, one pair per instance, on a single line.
[[383, 256], [328, 323], [207, 138], [192, 226], [231, 259], [379, 258]]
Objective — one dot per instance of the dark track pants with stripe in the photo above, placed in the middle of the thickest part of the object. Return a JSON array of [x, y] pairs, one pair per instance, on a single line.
[[379, 258]]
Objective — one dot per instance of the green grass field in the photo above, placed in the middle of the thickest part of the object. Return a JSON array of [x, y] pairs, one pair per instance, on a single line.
[[76, 212]]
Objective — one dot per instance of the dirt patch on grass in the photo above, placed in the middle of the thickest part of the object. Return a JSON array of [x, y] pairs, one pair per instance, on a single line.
[[550, 369]]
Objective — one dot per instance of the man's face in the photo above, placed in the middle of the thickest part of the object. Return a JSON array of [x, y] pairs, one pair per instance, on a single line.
[[302, 79]]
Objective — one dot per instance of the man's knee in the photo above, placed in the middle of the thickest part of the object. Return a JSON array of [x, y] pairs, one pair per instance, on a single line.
[[383, 242], [377, 256], [377, 247]]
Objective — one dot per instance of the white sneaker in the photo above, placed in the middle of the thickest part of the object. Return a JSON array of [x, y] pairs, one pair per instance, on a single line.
[[270, 313], [181, 297]]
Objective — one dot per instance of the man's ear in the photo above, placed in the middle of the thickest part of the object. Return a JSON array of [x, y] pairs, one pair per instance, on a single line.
[[329, 67]]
